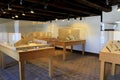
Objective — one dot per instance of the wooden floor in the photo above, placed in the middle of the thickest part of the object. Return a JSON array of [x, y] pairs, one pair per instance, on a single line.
[[76, 67]]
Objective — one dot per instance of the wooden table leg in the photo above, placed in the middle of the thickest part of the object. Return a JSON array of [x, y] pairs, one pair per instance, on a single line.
[[21, 70], [83, 48], [0, 59], [64, 52], [3, 65], [102, 67], [113, 68], [71, 48], [50, 67]]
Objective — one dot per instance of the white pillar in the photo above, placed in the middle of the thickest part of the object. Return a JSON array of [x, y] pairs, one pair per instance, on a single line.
[[16, 26]]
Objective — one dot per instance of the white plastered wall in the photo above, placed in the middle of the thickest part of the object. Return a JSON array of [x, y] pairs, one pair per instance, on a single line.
[[89, 29], [108, 18]]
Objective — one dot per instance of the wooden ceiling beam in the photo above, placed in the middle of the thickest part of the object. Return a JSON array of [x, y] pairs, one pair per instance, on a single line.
[[60, 9], [2, 5], [70, 9], [36, 13], [51, 11], [27, 17], [81, 7], [96, 6]]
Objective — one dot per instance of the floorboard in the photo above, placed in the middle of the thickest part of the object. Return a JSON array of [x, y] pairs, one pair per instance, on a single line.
[[76, 67]]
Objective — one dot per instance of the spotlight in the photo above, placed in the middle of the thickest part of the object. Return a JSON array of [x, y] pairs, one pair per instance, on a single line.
[[23, 14], [21, 2], [32, 11], [46, 6], [3, 11], [16, 16], [56, 19], [13, 17], [9, 7]]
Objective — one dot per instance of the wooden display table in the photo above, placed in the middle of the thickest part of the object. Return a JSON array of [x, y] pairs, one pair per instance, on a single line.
[[70, 43], [27, 54], [110, 53]]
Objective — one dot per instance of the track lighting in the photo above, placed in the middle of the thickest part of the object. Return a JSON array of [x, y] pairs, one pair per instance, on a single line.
[[16, 16], [46, 6], [107, 2], [21, 2], [56, 19], [3, 11], [13, 17], [23, 14], [9, 7], [32, 11]]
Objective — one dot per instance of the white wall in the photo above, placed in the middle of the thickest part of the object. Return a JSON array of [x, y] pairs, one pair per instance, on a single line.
[[89, 29], [116, 35], [9, 26], [110, 18], [93, 34], [2, 28], [31, 26]]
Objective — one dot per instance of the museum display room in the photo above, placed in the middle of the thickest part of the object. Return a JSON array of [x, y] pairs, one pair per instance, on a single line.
[[52, 42]]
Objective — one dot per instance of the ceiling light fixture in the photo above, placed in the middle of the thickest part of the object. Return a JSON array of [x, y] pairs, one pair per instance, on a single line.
[[9, 7], [13, 17], [118, 8], [3, 11], [32, 11], [107, 2], [23, 14], [16, 16], [56, 19], [21, 2], [46, 6]]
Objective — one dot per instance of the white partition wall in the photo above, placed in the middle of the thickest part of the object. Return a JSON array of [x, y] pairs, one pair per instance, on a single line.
[[116, 35], [14, 37], [3, 37], [10, 37]]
